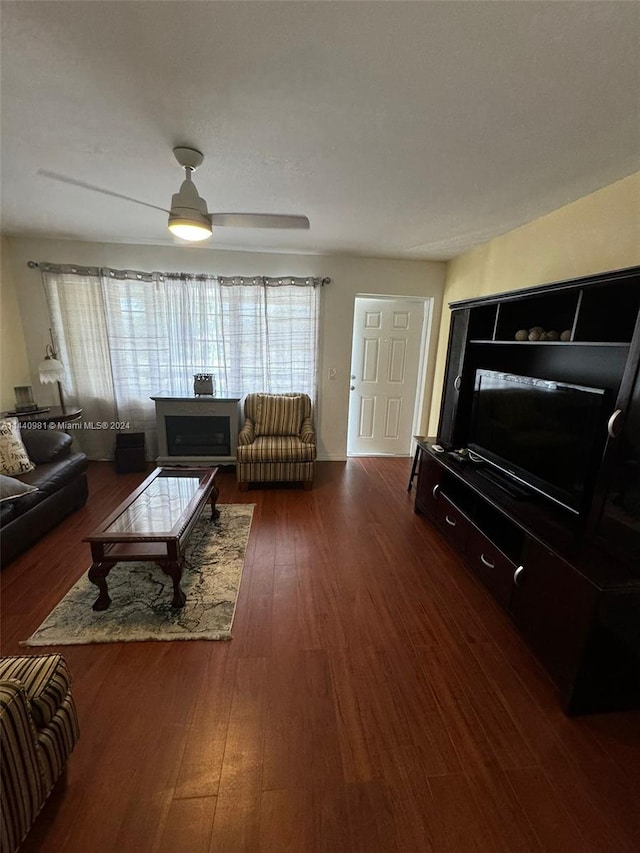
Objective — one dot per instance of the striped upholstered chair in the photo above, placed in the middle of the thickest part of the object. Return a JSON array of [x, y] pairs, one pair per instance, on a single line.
[[38, 730], [277, 442]]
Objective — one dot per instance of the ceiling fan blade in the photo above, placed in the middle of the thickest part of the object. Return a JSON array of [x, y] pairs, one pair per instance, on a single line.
[[64, 179], [232, 220], [259, 220]]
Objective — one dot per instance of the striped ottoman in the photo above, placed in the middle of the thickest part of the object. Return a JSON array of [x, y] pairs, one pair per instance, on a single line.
[[38, 731]]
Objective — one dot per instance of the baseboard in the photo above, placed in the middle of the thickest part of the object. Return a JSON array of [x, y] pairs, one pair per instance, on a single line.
[[379, 455], [324, 458]]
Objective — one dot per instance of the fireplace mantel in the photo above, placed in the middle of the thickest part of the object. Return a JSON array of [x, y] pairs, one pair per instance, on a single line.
[[187, 407]]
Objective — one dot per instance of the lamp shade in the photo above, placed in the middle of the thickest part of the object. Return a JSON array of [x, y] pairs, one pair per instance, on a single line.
[[50, 370], [188, 217]]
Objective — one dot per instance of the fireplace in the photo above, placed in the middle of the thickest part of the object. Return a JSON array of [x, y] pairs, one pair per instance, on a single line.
[[197, 430], [198, 435]]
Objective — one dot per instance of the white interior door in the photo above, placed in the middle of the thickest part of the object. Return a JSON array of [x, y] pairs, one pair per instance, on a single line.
[[385, 364]]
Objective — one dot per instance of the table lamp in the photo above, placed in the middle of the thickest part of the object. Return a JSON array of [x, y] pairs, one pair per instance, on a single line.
[[51, 369]]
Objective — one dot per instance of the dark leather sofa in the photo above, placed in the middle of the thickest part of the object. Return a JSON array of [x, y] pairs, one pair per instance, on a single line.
[[61, 480]]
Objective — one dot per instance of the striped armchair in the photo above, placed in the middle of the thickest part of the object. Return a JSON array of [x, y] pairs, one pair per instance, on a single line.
[[277, 442], [38, 731]]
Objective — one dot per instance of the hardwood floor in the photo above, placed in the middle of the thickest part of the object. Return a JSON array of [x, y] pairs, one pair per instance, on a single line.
[[373, 699]]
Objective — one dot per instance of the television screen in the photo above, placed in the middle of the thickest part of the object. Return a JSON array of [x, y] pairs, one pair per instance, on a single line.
[[541, 433]]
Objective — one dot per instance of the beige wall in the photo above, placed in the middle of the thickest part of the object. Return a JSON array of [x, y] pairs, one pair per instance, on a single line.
[[596, 233], [14, 366], [350, 277]]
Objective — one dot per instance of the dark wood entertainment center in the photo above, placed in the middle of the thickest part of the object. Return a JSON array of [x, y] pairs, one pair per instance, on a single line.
[[571, 582]]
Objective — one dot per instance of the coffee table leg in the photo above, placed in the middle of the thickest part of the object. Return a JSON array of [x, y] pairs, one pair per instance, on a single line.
[[98, 576], [173, 568], [215, 512]]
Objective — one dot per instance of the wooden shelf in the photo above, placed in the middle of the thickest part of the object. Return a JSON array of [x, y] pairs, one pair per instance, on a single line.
[[619, 344]]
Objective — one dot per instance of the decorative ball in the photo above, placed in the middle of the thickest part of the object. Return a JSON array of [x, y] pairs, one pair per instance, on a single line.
[[553, 336], [522, 335], [543, 336], [538, 329], [534, 335], [566, 335]]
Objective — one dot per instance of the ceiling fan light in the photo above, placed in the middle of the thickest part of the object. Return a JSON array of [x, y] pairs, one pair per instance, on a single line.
[[189, 229]]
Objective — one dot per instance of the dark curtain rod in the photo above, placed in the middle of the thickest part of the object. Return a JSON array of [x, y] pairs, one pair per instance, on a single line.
[[34, 265]]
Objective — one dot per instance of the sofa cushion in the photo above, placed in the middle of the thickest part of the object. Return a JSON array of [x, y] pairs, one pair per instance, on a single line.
[[46, 445], [11, 489], [46, 680], [13, 455], [279, 448], [7, 513], [27, 502], [279, 414], [50, 478]]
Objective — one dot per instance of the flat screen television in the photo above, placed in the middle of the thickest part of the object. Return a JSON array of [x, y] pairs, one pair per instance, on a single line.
[[540, 433]]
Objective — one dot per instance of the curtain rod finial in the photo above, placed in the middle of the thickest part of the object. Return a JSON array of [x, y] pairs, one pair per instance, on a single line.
[[33, 265]]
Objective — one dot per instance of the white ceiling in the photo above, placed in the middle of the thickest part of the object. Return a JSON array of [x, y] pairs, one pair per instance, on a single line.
[[405, 130]]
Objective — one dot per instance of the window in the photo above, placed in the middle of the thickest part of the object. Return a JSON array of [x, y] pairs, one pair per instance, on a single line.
[[125, 336]]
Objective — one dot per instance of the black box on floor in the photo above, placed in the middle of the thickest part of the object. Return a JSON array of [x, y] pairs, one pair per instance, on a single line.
[[130, 452]]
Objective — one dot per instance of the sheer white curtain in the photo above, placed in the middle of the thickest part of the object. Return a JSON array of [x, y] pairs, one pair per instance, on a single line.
[[269, 327], [76, 309], [124, 336]]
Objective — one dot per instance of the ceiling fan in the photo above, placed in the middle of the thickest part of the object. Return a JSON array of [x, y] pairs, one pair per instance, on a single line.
[[188, 216]]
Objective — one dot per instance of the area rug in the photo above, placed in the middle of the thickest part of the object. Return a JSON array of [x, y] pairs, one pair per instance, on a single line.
[[141, 593]]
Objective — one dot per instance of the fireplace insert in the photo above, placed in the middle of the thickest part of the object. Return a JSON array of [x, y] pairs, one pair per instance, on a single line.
[[198, 435]]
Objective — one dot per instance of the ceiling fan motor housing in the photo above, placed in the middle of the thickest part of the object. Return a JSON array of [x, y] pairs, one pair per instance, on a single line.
[[189, 217], [187, 200]]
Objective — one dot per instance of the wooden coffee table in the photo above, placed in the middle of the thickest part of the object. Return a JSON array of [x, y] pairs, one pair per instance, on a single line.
[[153, 523]]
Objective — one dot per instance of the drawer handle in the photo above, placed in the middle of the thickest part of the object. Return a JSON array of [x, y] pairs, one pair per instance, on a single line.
[[457, 383], [517, 574], [486, 562], [615, 423], [435, 490], [450, 521]]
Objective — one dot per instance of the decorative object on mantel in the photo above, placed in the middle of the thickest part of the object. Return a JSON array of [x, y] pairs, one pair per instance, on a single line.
[[204, 384], [214, 561], [51, 369]]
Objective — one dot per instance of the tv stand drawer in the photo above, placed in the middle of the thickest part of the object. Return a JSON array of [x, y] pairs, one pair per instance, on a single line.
[[493, 568], [453, 522]]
